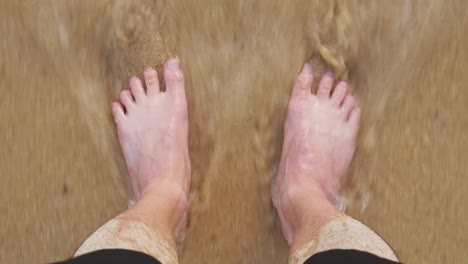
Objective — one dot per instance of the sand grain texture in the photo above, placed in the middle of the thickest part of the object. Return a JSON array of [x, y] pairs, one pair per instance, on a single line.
[[62, 63]]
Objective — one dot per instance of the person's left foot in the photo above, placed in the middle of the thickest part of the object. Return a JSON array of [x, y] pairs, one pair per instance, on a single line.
[[152, 127], [319, 141]]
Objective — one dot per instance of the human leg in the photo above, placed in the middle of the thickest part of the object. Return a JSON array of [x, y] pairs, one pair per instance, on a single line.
[[152, 127], [319, 142]]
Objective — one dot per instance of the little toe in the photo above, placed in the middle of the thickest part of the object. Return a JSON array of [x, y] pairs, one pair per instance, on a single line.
[[126, 99], [303, 82], [174, 78], [136, 86], [355, 119], [339, 93], [118, 113], [325, 86], [152, 81]]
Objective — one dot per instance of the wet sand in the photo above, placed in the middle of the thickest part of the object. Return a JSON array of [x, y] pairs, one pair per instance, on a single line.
[[62, 63]]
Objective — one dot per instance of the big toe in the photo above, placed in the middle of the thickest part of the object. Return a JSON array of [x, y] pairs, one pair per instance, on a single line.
[[303, 82], [174, 78]]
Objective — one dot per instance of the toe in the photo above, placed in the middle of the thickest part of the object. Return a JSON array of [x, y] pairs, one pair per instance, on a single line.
[[348, 105], [152, 81], [339, 93], [325, 86], [126, 99], [174, 78], [303, 82], [136, 86], [118, 113], [355, 119]]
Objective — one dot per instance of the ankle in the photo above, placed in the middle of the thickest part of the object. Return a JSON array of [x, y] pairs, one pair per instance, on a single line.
[[160, 207], [146, 211], [313, 212]]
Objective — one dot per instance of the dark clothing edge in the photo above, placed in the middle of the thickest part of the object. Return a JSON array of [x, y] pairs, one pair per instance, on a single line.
[[123, 256]]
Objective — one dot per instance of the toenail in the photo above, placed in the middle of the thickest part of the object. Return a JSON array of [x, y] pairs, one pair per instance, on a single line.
[[134, 79], [149, 69], [307, 68], [173, 65], [329, 73]]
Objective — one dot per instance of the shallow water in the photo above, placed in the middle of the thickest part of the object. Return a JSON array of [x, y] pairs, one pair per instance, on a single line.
[[63, 62]]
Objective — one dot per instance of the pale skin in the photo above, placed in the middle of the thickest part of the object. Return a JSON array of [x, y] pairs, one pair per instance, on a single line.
[[152, 127], [319, 142]]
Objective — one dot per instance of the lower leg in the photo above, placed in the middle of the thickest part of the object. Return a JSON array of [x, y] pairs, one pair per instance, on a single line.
[[138, 229], [319, 141], [340, 233], [152, 127]]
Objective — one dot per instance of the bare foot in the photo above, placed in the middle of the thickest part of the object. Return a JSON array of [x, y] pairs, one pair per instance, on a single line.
[[319, 141], [152, 127]]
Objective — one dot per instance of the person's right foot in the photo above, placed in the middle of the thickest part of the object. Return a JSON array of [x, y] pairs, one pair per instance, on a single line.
[[319, 141]]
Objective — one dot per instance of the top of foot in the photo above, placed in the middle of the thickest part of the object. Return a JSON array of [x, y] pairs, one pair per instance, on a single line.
[[319, 141]]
